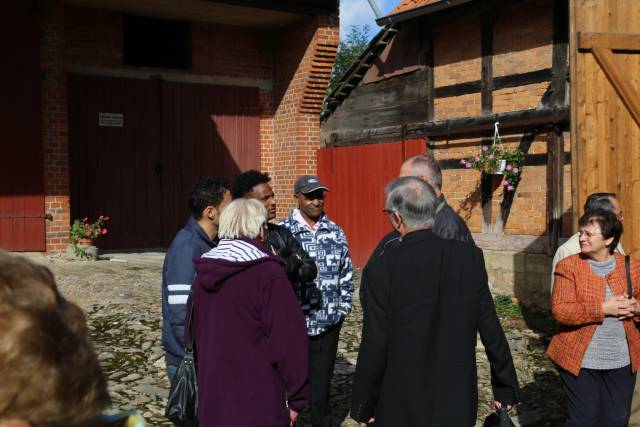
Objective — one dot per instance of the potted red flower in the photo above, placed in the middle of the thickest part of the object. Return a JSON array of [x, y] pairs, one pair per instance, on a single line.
[[83, 234]]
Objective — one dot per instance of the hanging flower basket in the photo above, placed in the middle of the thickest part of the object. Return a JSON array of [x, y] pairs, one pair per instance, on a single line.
[[497, 160]]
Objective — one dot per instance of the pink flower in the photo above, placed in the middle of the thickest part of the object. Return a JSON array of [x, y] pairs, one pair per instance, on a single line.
[[509, 167], [477, 158], [101, 217], [485, 148], [510, 187], [106, 218], [468, 165], [490, 156], [463, 162], [104, 231], [504, 182], [86, 224], [85, 219], [516, 170], [89, 231]]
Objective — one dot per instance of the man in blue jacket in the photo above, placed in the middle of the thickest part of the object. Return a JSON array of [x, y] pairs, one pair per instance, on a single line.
[[206, 200]]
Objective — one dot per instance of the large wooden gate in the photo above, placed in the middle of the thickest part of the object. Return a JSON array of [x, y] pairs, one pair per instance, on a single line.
[[22, 225], [605, 104], [137, 146]]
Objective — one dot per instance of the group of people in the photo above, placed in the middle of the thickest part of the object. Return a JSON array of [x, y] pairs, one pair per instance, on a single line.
[[269, 301]]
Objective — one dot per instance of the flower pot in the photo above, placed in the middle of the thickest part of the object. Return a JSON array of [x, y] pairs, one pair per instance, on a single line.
[[497, 169], [85, 242]]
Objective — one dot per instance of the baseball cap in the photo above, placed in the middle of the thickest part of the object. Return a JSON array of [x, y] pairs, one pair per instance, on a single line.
[[307, 184]]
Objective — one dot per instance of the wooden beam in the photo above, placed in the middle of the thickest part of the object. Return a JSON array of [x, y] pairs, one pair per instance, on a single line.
[[555, 183], [471, 126], [613, 41], [559, 56], [616, 77], [303, 7], [486, 87], [429, 71], [502, 82]]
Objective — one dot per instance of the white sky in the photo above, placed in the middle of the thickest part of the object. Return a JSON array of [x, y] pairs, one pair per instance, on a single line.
[[358, 12]]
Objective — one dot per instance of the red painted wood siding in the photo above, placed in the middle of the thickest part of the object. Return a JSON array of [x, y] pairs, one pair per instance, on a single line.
[[22, 225], [356, 177], [173, 133]]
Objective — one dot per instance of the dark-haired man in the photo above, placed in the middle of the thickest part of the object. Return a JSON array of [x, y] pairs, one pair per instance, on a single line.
[[206, 201], [299, 266]]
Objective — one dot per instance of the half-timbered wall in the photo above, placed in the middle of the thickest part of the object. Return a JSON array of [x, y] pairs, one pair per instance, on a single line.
[[484, 60]]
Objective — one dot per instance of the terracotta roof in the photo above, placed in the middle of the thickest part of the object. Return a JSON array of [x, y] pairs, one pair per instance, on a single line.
[[405, 5]]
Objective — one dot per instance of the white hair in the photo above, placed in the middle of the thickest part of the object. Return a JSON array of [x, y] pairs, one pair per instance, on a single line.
[[413, 199], [242, 218]]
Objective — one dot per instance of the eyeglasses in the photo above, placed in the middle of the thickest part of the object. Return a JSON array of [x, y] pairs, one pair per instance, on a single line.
[[588, 234]]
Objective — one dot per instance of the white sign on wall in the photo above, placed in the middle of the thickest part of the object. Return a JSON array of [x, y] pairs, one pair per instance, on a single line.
[[113, 120]]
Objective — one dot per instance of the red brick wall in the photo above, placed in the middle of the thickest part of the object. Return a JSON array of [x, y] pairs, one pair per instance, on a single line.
[[54, 121], [296, 134], [278, 61]]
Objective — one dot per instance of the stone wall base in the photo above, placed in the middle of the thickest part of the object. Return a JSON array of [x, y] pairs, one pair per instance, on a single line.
[[526, 276]]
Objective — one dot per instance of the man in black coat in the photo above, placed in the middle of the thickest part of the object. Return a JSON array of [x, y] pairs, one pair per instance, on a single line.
[[299, 266], [447, 223], [424, 301]]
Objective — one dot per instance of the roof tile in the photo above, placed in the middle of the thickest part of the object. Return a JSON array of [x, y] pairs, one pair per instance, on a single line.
[[405, 5]]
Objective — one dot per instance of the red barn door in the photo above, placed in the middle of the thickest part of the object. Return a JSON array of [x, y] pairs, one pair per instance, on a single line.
[[356, 177], [22, 225]]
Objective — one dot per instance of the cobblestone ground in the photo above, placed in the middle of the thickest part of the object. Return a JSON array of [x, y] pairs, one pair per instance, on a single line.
[[121, 297]]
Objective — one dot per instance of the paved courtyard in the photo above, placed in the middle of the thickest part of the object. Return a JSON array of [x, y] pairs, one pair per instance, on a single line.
[[121, 296]]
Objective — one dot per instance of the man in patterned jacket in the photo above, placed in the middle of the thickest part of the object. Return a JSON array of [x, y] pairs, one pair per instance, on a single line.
[[326, 301]]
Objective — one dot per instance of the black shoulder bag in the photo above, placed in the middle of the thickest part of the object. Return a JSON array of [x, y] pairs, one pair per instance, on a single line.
[[182, 403]]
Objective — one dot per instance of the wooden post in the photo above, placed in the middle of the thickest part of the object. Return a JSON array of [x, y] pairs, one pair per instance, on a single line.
[[486, 101], [555, 183], [429, 70], [486, 75]]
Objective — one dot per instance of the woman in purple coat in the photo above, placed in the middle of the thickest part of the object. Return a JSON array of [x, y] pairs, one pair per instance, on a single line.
[[250, 334]]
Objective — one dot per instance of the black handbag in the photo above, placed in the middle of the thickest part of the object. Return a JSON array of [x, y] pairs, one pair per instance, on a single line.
[[498, 419], [182, 403]]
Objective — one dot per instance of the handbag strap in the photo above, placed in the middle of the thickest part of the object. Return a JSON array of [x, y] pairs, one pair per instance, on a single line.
[[627, 268], [189, 345]]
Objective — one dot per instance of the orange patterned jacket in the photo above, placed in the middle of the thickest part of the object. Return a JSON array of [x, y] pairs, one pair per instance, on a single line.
[[576, 303]]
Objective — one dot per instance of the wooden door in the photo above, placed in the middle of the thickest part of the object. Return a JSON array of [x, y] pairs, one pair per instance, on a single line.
[[207, 130], [22, 226], [605, 106], [137, 146]]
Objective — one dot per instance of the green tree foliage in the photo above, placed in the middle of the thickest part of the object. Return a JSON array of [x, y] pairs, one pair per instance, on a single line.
[[349, 49]]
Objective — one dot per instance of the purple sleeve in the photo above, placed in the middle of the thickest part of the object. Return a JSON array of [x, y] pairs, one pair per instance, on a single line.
[[286, 332]]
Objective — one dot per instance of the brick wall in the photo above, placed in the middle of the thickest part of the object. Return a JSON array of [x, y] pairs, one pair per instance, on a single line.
[[296, 133], [277, 61], [522, 43], [54, 124]]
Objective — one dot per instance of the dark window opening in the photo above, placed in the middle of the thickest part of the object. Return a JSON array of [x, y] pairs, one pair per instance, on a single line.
[[152, 42]]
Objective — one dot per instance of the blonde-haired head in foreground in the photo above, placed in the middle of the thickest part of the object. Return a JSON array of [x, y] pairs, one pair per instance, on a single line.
[[242, 218]]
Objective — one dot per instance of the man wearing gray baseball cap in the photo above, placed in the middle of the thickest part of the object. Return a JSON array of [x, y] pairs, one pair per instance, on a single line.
[[326, 301]]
